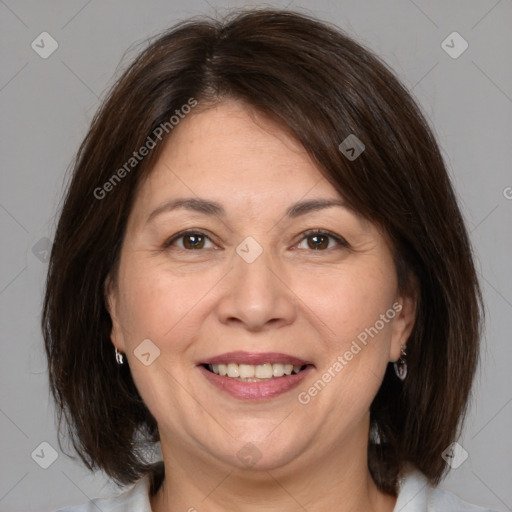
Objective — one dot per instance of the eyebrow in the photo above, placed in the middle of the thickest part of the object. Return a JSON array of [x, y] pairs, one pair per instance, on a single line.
[[213, 208]]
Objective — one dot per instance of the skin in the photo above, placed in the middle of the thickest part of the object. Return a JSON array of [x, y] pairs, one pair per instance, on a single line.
[[310, 303]]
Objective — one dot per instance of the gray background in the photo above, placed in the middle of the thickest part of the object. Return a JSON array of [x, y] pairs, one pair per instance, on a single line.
[[47, 105]]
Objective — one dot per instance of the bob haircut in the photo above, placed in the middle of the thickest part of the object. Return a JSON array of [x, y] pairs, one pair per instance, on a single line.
[[321, 87]]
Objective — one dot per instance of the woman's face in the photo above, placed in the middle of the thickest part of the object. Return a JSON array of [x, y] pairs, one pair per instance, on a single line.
[[252, 290]]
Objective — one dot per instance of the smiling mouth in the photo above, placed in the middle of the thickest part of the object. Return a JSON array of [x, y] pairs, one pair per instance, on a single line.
[[254, 373], [255, 376]]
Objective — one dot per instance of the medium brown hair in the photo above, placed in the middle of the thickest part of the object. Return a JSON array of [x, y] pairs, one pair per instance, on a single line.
[[321, 86]]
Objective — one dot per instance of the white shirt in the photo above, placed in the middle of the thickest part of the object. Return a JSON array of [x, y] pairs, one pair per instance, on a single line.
[[415, 495]]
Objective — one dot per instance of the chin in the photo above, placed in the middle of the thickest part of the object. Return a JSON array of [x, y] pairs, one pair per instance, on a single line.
[[261, 452]]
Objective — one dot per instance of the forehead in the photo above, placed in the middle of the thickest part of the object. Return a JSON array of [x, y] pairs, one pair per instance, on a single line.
[[231, 153]]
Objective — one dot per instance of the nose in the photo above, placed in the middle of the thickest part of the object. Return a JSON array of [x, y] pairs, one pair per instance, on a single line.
[[256, 295]]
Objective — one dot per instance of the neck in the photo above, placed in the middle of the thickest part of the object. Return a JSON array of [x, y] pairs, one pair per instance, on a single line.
[[338, 480]]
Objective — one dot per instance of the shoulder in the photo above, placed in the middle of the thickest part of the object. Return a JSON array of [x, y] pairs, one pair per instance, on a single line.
[[417, 495], [135, 499]]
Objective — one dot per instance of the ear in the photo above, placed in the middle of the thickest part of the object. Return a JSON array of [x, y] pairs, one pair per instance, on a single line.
[[112, 304], [403, 323]]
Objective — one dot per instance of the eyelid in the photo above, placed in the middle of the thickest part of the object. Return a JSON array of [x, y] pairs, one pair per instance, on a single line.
[[310, 232], [183, 233], [339, 239]]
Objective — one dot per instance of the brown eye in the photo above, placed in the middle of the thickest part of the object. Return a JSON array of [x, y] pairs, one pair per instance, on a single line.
[[316, 242], [195, 241], [321, 240], [190, 240]]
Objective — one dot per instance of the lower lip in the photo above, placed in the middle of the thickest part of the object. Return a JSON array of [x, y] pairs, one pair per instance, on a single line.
[[255, 390]]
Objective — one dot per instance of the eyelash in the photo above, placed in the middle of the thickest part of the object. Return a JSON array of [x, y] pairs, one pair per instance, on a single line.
[[312, 232], [339, 240]]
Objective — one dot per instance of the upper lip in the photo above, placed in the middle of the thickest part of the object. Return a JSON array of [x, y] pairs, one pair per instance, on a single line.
[[255, 358]]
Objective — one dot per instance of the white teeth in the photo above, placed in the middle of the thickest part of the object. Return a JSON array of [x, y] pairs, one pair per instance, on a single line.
[[233, 370], [278, 370], [246, 371], [264, 371], [250, 372]]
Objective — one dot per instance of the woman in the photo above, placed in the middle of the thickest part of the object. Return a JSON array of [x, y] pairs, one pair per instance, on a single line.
[[261, 268]]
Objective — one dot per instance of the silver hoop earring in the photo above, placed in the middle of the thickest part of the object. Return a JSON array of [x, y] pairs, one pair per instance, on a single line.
[[119, 357], [401, 365]]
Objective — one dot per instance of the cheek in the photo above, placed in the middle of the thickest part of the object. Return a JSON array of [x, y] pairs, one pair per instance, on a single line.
[[355, 315], [351, 300], [159, 306], [155, 302], [353, 311]]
